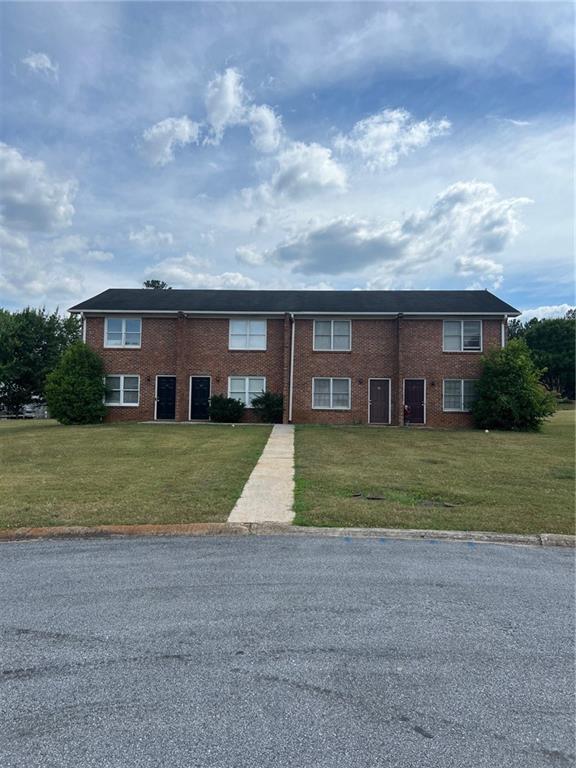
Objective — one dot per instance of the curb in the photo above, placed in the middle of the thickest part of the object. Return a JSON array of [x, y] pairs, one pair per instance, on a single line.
[[107, 531], [284, 529], [479, 537]]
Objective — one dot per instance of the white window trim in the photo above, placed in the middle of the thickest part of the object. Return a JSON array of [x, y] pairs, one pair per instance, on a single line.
[[332, 407], [248, 349], [332, 321], [381, 378], [461, 350], [122, 404], [456, 410], [123, 345], [246, 387]]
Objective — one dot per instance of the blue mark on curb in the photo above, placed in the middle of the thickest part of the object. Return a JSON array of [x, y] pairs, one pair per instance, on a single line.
[[382, 540], [348, 539], [471, 545], [432, 541]]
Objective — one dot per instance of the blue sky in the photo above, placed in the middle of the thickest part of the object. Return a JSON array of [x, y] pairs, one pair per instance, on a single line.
[[305, 145]]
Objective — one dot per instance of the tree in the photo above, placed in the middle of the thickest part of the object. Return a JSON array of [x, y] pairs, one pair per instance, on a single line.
[[31, 343], [516, 329], [157, 285], [551, 343], [269, 407], [509, 394], [75, 389]]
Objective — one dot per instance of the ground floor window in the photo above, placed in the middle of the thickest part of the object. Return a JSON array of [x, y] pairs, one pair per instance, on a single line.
[[332, 394], [459, 394], [246, 388], [122, 389]]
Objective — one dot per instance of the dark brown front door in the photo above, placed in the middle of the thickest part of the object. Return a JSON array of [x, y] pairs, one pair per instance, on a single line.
[[414, 401], [379, 401]]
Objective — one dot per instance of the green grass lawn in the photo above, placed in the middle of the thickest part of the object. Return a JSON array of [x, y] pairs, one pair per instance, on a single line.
[[122, 473], [441, 479]]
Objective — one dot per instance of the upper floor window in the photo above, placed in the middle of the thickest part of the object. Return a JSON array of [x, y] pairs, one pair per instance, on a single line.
[[332, 335], [332, 394], [122, 390], [462, 336], [247, 334], [123, 332], [459, 394], [246, 388]]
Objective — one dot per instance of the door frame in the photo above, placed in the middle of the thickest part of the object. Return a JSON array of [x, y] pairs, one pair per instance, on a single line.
[[381, 378], [162, 376], [414, 378], [196, 376]]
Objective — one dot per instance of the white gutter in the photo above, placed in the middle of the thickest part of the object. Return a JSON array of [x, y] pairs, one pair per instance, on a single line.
[[291, 384], [215, 313]]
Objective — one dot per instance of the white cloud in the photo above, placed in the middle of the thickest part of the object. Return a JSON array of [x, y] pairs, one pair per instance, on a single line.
[[98, 256], [182, 273], [466, 226], [29, 198], [247, 254], [42, 63], [30, 273], [485, 270], [228, 104], [225, 102], [150, 237], [553, 310], [382, 139], [160, 140], [265, 127], [302, 170]]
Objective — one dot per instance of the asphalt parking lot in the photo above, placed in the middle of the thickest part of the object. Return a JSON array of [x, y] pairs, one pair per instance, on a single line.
[[280, 651]]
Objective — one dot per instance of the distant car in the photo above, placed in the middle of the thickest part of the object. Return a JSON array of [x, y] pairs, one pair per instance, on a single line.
[[35, 410]]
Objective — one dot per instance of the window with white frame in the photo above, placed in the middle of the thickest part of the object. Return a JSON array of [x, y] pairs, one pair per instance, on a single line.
[[459, 394], [122, 390], [462, 335], [246, 388], [247, 334], [123, 332], [332, 394], [332, 335]]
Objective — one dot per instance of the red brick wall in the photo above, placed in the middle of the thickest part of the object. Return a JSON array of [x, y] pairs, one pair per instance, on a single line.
[[186, 347], [421, 356], [373, 355], [197, 346]]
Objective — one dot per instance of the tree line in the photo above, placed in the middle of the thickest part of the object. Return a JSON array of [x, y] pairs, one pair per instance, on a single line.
[[551, 344]]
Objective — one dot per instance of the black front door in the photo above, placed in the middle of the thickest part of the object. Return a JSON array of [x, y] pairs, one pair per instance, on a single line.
[[166, 397], [414, 401], [379, 401], [200, 397]]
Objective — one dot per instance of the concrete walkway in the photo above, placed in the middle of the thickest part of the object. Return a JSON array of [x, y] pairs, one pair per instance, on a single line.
[[269, 493]]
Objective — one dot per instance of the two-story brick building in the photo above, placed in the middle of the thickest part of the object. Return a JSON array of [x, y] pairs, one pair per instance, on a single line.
[[340, 357]]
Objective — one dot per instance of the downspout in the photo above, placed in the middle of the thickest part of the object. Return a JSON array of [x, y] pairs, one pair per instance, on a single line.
[[291, 377], [83, 327], [504, 326]]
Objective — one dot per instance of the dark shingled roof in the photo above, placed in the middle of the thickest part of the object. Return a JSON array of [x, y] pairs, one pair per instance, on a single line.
[[349, 302]]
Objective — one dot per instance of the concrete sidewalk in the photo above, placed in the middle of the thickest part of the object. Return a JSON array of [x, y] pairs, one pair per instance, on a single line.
[[268, 495]]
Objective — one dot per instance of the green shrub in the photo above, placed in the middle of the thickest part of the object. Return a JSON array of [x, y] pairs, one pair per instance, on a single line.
[[269, 407], [225, 409], [509, 394], [75, 389]]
